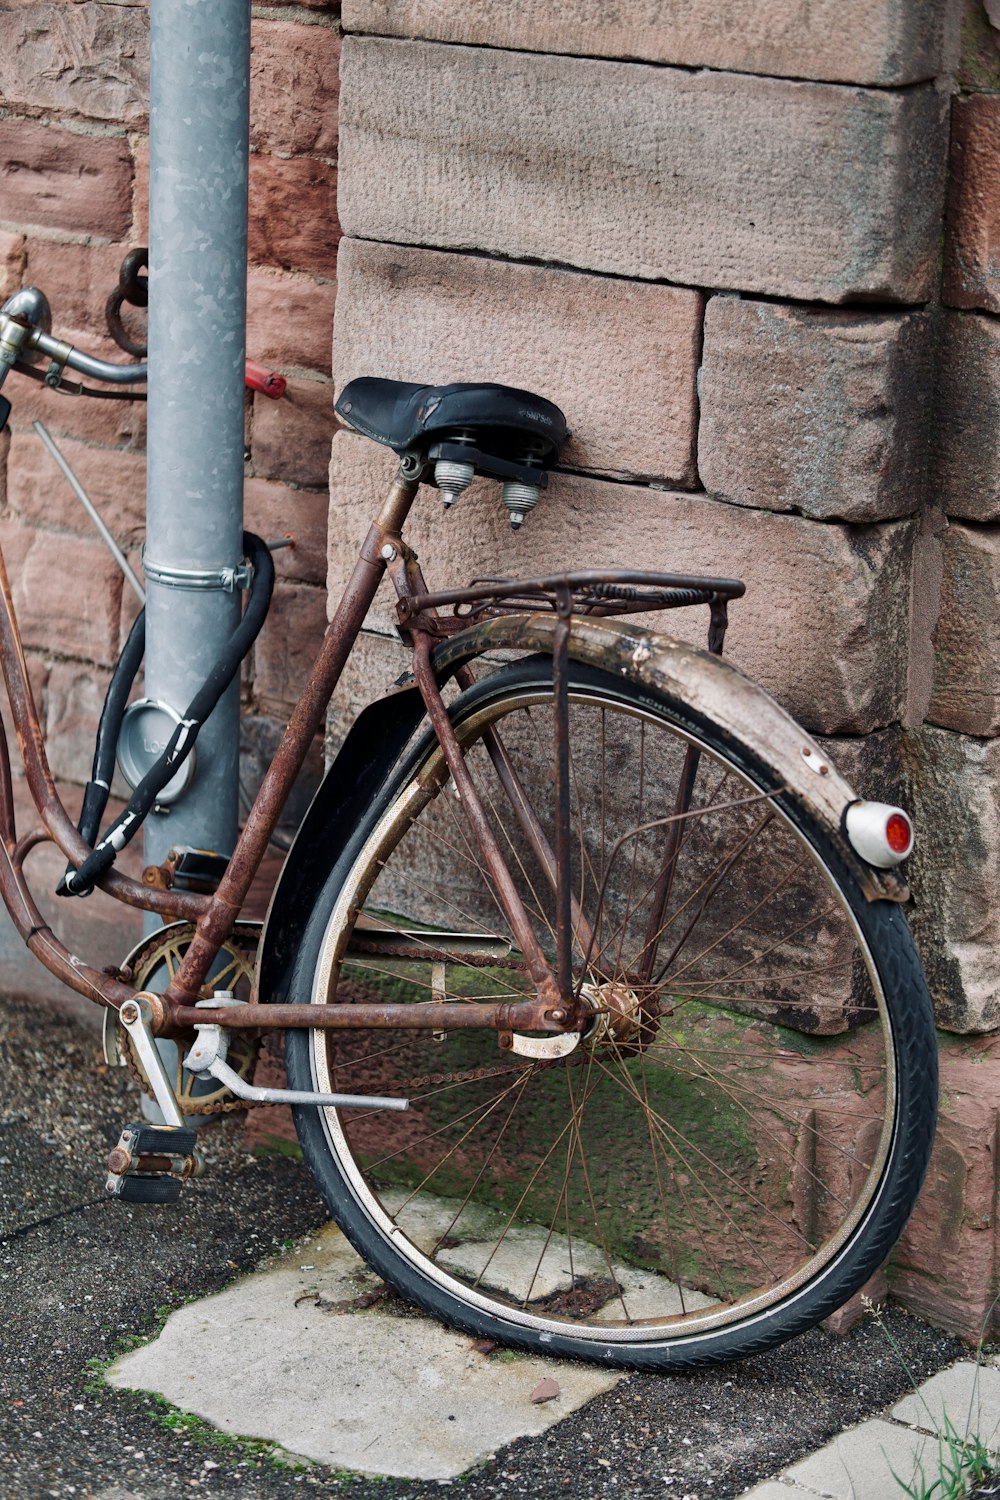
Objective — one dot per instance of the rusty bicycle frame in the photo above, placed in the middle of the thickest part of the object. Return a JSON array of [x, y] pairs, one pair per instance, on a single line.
[[556, 1008]]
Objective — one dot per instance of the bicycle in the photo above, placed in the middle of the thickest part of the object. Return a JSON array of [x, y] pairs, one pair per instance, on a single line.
[[604, 1030]]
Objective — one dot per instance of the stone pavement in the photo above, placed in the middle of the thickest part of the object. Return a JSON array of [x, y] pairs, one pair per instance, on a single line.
[[905, 1450], [306, 1353], [82, 1279], [310, 1355]]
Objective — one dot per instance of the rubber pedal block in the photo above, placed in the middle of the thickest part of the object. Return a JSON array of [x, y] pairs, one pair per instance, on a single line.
[[162, 1140], [160, 1188]]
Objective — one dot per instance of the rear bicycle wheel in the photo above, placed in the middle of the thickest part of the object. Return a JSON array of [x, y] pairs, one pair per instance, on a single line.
[[736, 1142]]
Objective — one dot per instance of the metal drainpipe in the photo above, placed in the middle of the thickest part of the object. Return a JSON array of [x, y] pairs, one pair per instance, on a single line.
[[199, 165]]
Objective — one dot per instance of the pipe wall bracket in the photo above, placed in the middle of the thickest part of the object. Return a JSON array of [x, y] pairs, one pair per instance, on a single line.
[[227, 579]]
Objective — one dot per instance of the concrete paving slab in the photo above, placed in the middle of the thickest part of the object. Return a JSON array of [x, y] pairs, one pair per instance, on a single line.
[[528, 1262], [867, 1462], [288, 1355], [647, 1295], [775, 1489], [964, 1399]]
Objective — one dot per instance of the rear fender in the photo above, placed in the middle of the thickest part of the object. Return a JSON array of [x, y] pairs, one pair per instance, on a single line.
[[373, 746], [708, 685]]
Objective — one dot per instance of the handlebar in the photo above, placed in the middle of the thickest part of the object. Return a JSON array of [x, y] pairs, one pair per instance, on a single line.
[[24, 334], [85, 364], [25, 320]]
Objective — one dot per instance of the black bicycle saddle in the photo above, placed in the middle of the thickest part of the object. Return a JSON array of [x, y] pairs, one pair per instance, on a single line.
[[502, 422]]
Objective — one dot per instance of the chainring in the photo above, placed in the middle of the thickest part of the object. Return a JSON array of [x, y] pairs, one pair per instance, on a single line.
[[153, 964]]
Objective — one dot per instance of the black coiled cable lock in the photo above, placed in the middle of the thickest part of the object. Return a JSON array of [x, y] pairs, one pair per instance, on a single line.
[[81, 881]]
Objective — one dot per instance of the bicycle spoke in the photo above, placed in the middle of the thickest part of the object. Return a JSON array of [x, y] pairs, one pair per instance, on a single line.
[[682, 1143], [655, 1153], [717, 1125], [479, 1120], [576, 1113], [732, 1088]]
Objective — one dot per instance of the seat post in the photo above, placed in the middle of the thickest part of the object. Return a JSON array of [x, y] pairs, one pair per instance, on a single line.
[[401, 495]]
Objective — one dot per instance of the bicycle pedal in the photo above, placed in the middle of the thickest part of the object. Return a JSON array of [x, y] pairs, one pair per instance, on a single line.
[[151, 1188], [150, 1163]]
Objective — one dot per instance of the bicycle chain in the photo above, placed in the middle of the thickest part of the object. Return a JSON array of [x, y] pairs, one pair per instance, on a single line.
[[227, 1106], [467, 960], [470, 1075], [473, 1075]]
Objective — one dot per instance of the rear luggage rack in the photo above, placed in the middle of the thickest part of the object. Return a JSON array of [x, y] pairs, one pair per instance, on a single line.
[[592, 591]]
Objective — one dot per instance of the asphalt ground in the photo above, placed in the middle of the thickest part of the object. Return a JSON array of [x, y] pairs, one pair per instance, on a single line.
[[81, 1278]]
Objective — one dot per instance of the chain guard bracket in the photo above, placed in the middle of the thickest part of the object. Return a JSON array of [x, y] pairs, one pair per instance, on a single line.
[[158, 958]]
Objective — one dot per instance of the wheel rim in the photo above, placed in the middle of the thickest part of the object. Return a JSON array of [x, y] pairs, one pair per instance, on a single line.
[[679, 1173]]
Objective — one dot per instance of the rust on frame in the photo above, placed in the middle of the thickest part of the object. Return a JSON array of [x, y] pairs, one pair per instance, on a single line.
[[223, 908], [478, 619], [526, 1015]]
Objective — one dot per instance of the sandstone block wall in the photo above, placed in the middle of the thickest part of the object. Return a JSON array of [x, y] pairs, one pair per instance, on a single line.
[[951, 758], [752, 253], [74, 168], [871, 41], [730, 279]]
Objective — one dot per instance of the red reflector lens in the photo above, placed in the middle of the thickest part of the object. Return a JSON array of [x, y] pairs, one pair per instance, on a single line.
[[898, 833]]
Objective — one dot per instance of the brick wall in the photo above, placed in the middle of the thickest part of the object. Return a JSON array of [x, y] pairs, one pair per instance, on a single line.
[[714, 237], [74, 169]]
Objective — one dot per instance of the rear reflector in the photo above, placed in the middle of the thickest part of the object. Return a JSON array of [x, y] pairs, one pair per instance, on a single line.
[[881, 834]]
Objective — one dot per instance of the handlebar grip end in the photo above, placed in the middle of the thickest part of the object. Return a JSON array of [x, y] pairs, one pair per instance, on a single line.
[[267, 382]]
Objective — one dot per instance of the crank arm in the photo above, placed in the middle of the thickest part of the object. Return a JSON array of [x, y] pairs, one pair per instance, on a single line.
[[135, 1015]]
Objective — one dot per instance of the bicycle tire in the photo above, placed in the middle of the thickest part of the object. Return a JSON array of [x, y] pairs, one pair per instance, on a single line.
[[795, 1185]]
